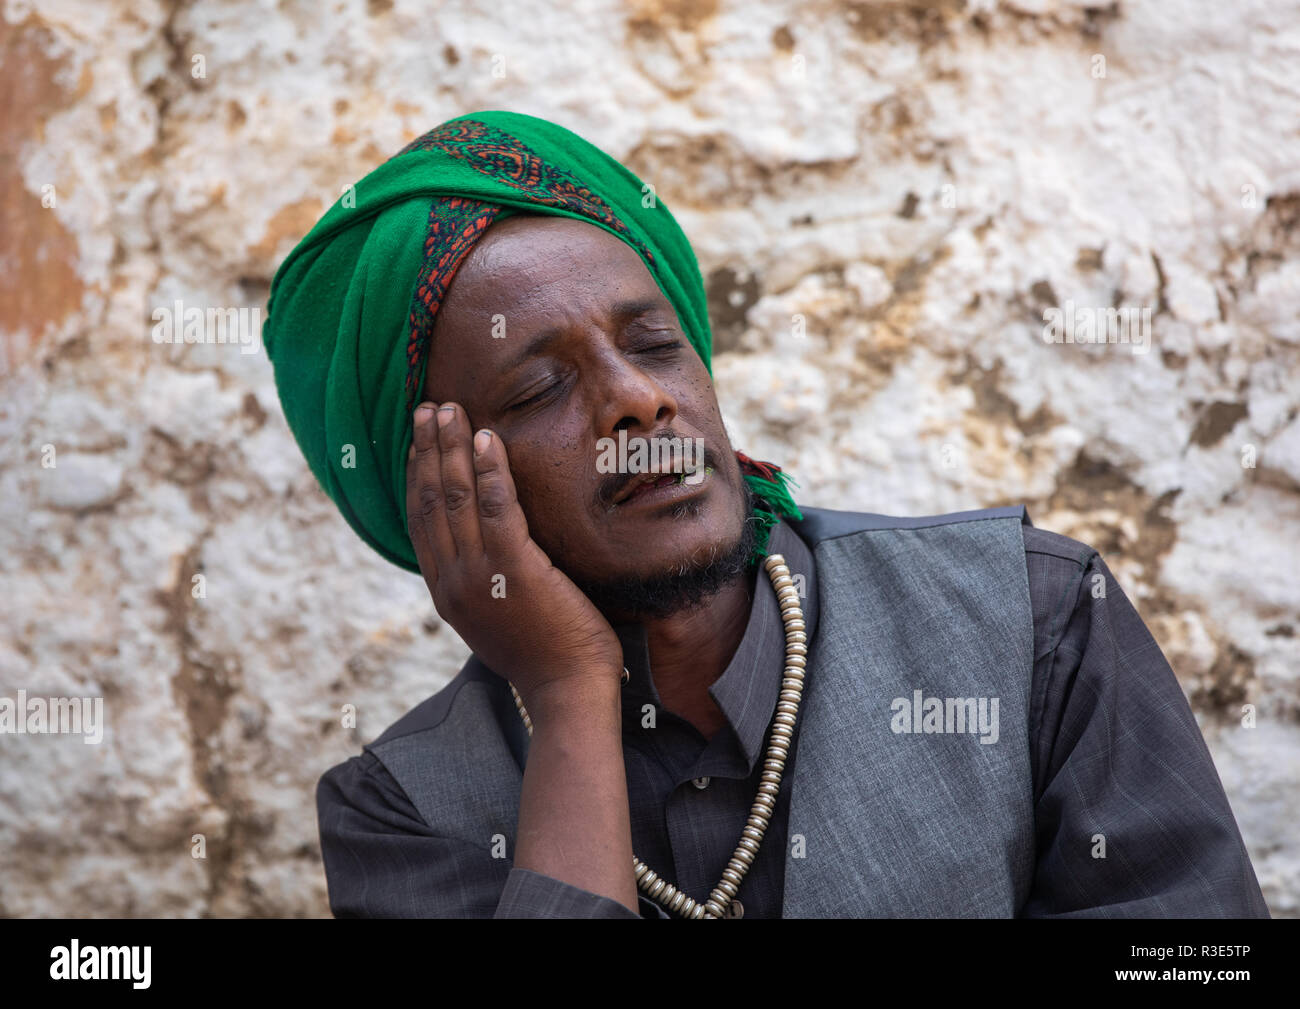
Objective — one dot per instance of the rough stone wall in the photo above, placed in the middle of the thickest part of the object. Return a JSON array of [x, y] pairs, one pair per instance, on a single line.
[[884, 197]]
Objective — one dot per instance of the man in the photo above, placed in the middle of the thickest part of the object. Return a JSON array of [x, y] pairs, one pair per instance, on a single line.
[[781, 712]]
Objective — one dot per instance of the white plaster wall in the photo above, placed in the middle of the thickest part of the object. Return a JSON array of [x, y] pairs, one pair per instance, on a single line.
[[917, 181]]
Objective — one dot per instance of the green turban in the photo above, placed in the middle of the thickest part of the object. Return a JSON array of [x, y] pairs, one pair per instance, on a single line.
[[351, 309]]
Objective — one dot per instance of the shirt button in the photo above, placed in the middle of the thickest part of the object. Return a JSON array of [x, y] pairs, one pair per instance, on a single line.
[[735, 909], [700, 783]]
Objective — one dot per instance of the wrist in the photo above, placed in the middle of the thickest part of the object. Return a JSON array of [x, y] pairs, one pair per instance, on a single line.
[[579, 697]]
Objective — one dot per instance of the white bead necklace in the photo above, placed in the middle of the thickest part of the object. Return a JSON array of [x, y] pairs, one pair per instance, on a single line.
[[760, 814]]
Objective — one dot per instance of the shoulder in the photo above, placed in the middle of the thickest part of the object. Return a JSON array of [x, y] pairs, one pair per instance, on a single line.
[[468, 697], [440, 734], [820, 524], [1056, 567], [1059, 569], [981, 549]]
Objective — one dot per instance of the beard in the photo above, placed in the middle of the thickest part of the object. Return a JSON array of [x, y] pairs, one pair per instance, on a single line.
[[685, 585]]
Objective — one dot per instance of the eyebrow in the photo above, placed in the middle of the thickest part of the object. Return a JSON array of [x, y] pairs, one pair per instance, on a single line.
[[622, 312]]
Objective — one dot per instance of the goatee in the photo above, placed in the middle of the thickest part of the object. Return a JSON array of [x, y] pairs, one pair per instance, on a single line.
[[683, 586]]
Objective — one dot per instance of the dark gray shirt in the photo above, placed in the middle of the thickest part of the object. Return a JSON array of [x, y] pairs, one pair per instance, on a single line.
[[1112, 741]]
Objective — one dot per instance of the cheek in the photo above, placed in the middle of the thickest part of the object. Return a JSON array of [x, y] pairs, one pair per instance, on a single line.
[[552, 476], [703, 404], [697, 386]]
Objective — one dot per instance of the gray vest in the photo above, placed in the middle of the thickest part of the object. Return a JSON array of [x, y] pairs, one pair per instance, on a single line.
[[914, 823], [912, 790]]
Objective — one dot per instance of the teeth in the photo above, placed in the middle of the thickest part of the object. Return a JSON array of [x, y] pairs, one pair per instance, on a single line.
[[678, 479]]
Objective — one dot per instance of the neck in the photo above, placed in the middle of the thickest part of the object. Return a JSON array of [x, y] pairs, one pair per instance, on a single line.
[[691, 649]]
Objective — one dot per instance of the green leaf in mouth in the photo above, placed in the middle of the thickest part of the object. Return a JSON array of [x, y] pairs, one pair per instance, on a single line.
[[681, 477]]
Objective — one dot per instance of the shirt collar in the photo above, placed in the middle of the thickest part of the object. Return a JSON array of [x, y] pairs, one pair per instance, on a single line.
[[748, 688]]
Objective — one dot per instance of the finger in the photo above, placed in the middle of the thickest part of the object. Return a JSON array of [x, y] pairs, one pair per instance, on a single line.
[[425, 509], [460, 499], [501, 520], [415, 523]]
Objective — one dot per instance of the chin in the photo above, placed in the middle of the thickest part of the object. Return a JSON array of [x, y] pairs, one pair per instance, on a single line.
[[668, 572], [685, 533]]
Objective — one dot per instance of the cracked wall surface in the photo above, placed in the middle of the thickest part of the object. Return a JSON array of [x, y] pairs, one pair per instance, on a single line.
[[885, 199]]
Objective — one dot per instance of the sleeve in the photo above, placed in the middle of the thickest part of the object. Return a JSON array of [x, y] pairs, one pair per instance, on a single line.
[[1131, 819], [383, 861], [529, 894]]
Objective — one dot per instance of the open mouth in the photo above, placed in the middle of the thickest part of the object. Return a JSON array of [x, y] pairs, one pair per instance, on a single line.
[[663, 483]]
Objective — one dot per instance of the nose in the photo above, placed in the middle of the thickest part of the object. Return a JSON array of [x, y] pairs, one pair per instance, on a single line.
[[632, 399]]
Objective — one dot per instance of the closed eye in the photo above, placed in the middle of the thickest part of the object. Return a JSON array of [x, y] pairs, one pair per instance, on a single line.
[[533, 399], [541, 394]]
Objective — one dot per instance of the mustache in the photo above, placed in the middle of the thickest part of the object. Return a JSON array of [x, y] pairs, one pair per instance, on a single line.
[[615, 482]]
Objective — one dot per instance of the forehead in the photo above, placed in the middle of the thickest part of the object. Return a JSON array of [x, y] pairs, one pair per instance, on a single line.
[[532, 261], [529, 274]]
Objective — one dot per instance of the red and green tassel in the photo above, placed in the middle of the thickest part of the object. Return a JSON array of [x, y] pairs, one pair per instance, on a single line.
[[773, 499]]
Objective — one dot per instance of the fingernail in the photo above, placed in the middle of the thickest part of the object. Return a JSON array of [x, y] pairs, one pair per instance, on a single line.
[[422, 413], [445, 413], [481, 441]]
